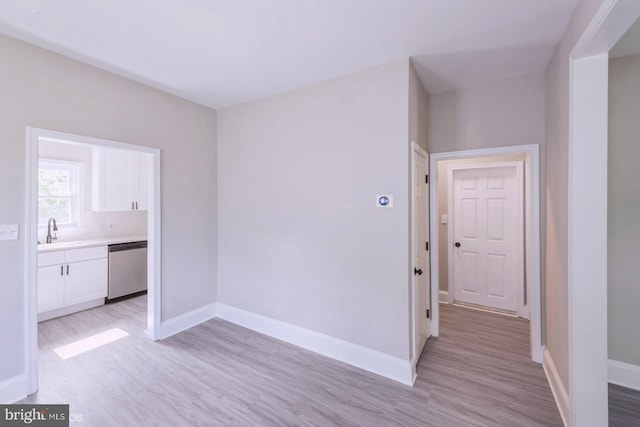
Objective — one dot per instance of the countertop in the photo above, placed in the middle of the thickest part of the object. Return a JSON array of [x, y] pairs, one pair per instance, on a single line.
[[88, 243]]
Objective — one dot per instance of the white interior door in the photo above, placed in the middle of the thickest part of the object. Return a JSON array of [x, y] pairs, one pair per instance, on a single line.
[[486, 204], [421, 282]]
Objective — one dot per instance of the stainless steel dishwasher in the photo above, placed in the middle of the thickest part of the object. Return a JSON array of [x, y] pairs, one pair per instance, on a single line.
[[127, 270]]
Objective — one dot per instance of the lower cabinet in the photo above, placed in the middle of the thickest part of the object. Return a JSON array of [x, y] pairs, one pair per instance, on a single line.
[[50, 287], [86, 280], [71, 277]]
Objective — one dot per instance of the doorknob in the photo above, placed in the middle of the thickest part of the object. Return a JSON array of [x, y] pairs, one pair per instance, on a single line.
[[417, 271], [457, 244]]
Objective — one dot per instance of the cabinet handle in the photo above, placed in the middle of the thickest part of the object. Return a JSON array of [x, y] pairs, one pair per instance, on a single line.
[[132, 206], [62, 270], [136, 205], [67, 269]]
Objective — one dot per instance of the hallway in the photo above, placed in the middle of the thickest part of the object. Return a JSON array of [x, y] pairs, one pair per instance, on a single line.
[[479, 371]]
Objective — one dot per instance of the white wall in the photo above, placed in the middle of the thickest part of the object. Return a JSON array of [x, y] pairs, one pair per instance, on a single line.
[[497, 114], [300, 237], [557, 137], [45, 90], [624, 210], [418, 110], [93, 224]]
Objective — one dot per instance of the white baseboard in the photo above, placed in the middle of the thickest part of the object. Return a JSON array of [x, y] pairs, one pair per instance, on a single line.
[[443, 296], [13, 389], [557, 387], [624, 374], [356, 355], [187, 320]]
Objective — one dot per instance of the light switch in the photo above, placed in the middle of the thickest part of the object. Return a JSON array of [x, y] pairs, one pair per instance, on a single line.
[[9, 232], [444, 219]]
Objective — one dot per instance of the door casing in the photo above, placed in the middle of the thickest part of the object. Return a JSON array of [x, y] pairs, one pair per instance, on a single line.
[[31, 237], [532, 233], [587, 400]]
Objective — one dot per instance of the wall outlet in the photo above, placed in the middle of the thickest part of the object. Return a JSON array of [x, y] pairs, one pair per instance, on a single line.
[[444, 219], [9, 232]]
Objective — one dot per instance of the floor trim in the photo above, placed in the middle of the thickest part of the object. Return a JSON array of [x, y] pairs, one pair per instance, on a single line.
[[356, 355], [443, 296], [63, 311], [13, 389], [187, 320], [624, 374], [557, 387]]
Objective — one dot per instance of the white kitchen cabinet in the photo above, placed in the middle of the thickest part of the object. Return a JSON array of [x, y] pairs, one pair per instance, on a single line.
[[50, 287], [86, 281], [69, 278], [120, 180]]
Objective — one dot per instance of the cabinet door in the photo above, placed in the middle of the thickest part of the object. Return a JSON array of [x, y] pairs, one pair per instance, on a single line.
[[141, 174], [50, 288], [112, 180], [86, 281]]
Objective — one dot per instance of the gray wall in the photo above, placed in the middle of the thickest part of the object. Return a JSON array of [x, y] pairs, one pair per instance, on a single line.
[[624, 210], [300, 237], [418, 111], [557, 136], [504, 113], [45, 90]]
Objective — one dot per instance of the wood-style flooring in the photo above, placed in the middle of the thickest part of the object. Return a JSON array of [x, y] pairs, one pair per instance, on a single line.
[[477, 373], [624, 407]]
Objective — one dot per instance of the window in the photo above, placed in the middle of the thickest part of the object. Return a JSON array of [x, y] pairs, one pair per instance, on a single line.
[[59, 192]]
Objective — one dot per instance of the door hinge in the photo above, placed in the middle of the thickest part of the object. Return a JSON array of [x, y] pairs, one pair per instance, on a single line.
[[426, 179], [426, 246], [428, 314]]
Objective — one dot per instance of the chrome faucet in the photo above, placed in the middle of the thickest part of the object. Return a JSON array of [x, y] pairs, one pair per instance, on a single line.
[[55, 228]]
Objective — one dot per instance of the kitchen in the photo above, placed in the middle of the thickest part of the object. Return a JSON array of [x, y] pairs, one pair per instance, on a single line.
[[93, 206]]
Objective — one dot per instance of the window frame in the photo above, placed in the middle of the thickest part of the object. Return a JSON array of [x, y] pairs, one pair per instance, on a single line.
[[77, 178]]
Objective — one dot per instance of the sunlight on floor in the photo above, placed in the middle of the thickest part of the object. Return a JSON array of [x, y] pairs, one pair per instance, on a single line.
[[90, 343]]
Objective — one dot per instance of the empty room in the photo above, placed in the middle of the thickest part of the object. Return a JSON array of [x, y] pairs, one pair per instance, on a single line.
[[349, 213]]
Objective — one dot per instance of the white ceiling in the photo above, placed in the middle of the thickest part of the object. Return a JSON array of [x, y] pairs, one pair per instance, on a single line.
[[224, 52]]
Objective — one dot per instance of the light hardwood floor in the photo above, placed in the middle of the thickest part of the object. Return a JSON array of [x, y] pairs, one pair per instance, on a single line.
[[478, 373], [624, 407]]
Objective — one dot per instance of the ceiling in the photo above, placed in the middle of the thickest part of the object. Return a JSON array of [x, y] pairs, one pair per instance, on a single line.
[[225, 52]]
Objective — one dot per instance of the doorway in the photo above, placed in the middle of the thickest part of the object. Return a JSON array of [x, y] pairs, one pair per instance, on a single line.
[[588, 79], [34, 137], [531, 234]]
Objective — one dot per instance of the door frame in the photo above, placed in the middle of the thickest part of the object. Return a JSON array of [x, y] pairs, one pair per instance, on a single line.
[[154, 298], [416, 347], [532, 233], [587, 211], [521, 307]]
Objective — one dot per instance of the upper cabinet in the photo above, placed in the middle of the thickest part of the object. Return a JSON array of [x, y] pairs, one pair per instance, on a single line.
[[120, 180]]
